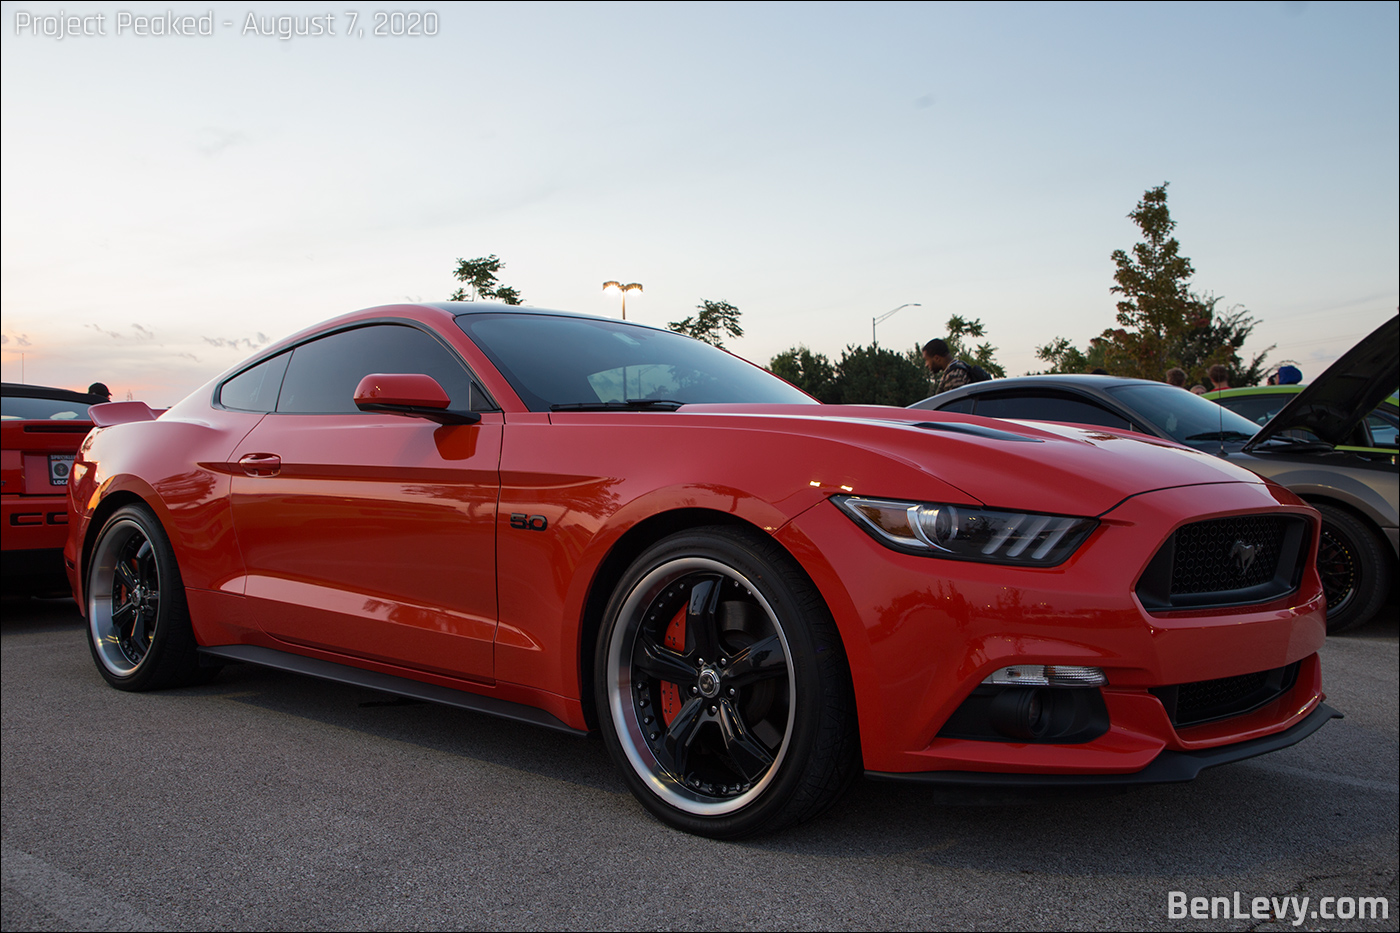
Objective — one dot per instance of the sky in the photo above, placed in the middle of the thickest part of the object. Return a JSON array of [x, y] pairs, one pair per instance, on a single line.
[[170, 203]]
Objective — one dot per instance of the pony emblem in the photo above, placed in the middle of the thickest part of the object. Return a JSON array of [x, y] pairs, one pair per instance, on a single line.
[[1243, 555]]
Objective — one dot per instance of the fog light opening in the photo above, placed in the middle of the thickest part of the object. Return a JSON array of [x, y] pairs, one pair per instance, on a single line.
[[1021, 713]]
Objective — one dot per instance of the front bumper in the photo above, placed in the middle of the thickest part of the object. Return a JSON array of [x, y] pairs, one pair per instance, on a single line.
[[922, 633], [1169, 767]]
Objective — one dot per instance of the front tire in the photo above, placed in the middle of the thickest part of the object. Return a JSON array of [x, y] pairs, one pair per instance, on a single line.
[[138, 622], [722, 686], [1355, 570]]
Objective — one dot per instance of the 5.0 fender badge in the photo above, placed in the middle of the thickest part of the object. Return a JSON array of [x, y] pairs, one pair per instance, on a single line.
[[528, 522]]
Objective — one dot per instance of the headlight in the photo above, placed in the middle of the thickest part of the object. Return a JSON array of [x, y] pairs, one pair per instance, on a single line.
[[969, 533]]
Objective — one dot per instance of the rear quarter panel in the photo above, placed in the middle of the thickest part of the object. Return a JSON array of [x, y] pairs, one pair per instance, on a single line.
[[178, 466]]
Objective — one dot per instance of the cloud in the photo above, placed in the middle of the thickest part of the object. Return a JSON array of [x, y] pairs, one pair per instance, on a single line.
[[213, 140], [235, 343], [141, 333]]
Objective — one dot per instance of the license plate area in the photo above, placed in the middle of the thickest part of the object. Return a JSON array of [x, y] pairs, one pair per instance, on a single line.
[[60, 466]]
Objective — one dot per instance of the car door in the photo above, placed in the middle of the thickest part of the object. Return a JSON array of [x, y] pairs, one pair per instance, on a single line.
[[372, 534]]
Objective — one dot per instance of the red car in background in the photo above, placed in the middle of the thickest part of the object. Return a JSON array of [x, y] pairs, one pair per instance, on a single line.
[[41, 429], [592, 525]]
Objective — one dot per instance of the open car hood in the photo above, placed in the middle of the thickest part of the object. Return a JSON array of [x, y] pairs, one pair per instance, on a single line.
[[1335, 403]]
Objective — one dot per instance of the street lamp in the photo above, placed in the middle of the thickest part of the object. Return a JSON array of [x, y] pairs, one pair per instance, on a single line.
[[886, 316], [623, 289]]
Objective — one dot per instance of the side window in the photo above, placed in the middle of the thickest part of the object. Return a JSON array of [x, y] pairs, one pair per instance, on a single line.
[[962, 405], [1258, 408], [255, 389], [1383, 429], [323, 374], [1048, 407]]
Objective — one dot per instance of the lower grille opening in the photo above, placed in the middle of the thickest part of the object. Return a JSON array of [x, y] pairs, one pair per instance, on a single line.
[[1210, 700]]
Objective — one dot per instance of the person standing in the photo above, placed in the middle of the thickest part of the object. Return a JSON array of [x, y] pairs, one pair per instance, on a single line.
[[1219, 377], [951, 372]]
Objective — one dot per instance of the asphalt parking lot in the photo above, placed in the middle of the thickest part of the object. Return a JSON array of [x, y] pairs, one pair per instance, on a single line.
[[266, 800]]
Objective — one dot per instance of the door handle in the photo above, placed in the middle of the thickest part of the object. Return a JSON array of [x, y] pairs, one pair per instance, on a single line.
[[261, 464]]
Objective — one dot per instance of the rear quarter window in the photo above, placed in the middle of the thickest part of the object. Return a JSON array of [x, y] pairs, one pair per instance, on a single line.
[[256, 389]]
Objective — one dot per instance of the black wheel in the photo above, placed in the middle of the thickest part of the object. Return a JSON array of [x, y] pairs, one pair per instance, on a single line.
[[138, 623], [722, 686], [1355, 571]]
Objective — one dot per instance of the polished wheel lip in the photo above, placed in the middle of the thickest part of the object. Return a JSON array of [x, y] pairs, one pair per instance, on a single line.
[[629, 728], [107, 637]]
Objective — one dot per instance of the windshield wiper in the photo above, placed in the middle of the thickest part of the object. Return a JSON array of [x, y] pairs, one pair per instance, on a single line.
[[1219, 436], [1296, 442], [632, 404]]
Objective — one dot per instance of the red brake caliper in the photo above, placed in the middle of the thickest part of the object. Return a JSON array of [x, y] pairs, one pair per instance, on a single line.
[[671, 693]]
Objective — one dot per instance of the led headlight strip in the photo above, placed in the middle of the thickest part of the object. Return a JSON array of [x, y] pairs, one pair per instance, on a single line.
[[964, 532]]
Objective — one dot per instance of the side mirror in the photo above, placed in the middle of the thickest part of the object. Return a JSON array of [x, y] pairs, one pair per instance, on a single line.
[[413, 394]]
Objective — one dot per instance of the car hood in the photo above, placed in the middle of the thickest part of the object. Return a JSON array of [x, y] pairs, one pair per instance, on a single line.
[[1333, 404], [1037, 466]]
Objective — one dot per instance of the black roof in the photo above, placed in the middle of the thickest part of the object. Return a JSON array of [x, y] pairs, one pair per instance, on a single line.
[[22, 390], [1086, 381]]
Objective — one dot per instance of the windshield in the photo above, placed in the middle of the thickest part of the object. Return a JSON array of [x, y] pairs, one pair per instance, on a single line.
[[22, 408], [556, 362], [1186, 417]]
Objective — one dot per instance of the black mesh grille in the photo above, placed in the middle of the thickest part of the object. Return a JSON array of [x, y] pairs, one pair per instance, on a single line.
[[1227, 553], [1237, 561], [1209, 700], [1225, 693]]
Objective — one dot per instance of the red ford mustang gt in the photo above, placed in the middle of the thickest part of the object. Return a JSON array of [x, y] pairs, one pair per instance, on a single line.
[[593, 525]]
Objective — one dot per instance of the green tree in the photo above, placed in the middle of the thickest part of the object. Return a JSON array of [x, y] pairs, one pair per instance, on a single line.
[[1065, 357], [876, 376], [715, 321], [1218, 339], [1164, 324], [479, 281], [1157, 307], [810, 372]]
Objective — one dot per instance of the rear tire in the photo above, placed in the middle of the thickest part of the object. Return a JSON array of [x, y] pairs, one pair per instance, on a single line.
[[722, 686], [138, 622], [1355, 570]]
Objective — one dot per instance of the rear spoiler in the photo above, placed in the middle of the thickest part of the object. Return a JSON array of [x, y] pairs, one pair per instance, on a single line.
[[110, 413]]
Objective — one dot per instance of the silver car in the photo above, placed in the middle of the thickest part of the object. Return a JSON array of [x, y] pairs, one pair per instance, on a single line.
[[1357, 492]]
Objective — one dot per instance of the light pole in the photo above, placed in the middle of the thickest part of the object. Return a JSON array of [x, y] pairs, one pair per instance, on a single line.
[[886, 316], [623, 289]]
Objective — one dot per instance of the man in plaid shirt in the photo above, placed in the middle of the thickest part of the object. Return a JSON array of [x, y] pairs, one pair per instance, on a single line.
[[954, 372]]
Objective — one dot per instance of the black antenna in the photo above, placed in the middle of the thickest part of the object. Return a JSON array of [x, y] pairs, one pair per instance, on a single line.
[[1220, 406]]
